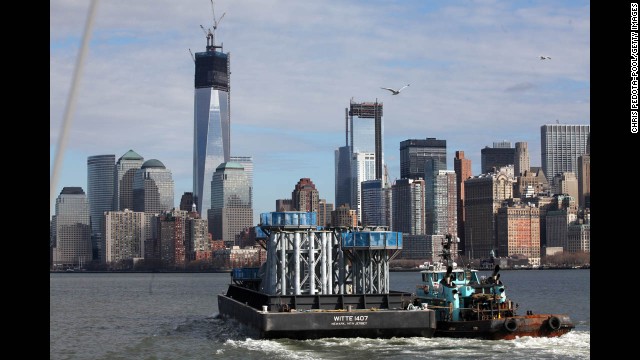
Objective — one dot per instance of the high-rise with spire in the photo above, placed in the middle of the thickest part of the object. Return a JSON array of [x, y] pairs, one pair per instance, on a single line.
[[211, 125]]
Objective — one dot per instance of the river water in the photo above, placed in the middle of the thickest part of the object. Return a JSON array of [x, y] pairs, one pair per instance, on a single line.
[[174, 316]]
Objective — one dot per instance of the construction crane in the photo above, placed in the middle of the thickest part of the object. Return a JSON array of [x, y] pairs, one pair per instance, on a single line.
[[211, 34], [192, 57], [215, 22]]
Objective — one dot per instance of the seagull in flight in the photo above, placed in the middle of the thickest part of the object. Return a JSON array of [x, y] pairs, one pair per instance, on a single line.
[[393, 91], [542, 57]]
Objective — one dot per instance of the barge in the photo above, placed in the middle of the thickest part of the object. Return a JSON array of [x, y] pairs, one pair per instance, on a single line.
[[318, 283]]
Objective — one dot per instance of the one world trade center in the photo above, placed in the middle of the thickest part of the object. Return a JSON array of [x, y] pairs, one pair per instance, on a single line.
[[211, 126]]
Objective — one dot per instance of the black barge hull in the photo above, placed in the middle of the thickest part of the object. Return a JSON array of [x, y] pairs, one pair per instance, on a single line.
[[320, 316]]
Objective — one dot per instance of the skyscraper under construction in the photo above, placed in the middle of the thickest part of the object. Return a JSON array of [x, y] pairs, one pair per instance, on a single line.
[[211, 126]]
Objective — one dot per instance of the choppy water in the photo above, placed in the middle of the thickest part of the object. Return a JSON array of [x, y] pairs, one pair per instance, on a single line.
[[174, 316]]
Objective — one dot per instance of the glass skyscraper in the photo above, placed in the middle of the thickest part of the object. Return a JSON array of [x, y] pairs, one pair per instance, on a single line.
[[231, 209], [100, 174], [363, 135], [365, 131], [125, 170], [153, 188], [415, 152], [211, 127], [71, 229]]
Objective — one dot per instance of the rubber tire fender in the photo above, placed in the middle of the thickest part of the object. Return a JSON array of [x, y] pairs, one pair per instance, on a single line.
[[555, 323], [511, 324]]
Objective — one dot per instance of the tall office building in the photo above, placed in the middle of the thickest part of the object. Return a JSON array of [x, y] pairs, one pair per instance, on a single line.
[[153, 188], [363, 134], [125, 170], [521, 159], [560, 147], [441, 205], [567, 183], [231, 208], [100, 183], [305, 196], [501, 154], [71, 229], [462, 167], [212, 119], [343, 175], [373, 203], [408, 206], [432, 166], [584, 177], [365, 131], [484, 195], [363, 169], [414, 153], [247, 164]]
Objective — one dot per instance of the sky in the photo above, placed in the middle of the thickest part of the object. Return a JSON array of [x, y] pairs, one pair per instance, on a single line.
[[474, 67]]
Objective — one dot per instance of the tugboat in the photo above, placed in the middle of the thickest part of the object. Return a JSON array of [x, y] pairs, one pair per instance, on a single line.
[[318, 283], [469, 306]]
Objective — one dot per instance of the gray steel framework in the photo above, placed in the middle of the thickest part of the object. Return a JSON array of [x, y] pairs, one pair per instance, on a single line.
[[307, 260]]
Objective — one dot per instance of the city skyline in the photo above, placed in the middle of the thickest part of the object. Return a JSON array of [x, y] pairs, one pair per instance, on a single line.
[[474, 68]]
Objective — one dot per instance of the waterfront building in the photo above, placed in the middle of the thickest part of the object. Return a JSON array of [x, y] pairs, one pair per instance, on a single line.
[[579, 237], [436, 200], [462, 167], [231, 208], [416, 247], [441, 205], [100, 184], [124, 238], [557, 224], [560, 146], [484, 195], [544, 204], [518, 232], [415, 152], [496, 157], [169, 240], [408, 206], [71, 229], [212, 119], [125, 171]]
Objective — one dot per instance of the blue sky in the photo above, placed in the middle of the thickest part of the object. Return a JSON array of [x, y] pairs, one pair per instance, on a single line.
[[474, 68]]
